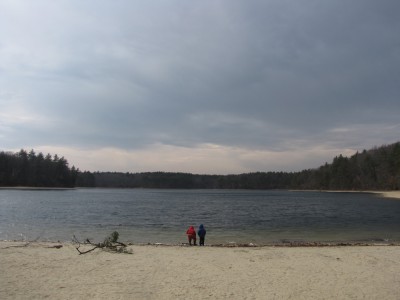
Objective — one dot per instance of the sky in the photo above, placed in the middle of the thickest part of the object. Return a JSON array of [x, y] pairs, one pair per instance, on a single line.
[[206, 87]]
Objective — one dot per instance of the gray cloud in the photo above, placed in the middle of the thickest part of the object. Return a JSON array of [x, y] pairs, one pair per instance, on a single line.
[[257, 75]]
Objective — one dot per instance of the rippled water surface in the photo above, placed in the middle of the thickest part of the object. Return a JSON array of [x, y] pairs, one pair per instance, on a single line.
[[241, 216]]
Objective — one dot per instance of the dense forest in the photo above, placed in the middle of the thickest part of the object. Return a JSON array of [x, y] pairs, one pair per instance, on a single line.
[[35, 170], [375, 169]]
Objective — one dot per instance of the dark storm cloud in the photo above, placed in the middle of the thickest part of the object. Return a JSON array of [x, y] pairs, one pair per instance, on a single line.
[[272, 75]]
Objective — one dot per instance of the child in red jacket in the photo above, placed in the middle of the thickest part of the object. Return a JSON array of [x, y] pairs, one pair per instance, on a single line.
[[191, 233]]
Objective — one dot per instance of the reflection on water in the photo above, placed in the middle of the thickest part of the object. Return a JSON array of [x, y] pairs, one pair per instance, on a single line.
[[145, 215]]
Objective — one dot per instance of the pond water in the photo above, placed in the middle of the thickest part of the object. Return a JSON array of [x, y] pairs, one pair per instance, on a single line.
[[162, 216]]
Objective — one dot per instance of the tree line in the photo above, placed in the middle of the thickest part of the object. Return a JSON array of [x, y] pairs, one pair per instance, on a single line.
[[375, 169], [35, 170]]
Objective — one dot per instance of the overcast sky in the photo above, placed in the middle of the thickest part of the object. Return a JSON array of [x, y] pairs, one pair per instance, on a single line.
[[211, 86]]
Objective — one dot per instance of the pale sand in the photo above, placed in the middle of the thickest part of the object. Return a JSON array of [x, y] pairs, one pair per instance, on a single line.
[[174, 272], [387, 194], [391, 194]]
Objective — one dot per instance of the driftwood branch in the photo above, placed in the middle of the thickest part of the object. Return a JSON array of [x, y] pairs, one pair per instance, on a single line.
[[84, 252], [17, 246], [110, 243], [27, 244]]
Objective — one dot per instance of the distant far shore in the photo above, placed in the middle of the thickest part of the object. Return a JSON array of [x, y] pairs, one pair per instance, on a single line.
[[28, 188], [386, 194]]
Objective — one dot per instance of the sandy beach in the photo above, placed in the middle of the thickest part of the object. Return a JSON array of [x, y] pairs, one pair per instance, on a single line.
[[38, 271], [386, 194], [390, 194]]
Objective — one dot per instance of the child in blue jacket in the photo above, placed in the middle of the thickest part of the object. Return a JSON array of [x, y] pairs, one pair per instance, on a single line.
[[202, 234]]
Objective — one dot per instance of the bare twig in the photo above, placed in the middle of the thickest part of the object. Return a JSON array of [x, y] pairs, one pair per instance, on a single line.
[[84, 252], [110, 243], [17, 246], [56, 246]]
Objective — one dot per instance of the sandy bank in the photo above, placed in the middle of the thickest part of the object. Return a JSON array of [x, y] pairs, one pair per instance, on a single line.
[[387, 194], [390, 194], [173, 272]]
